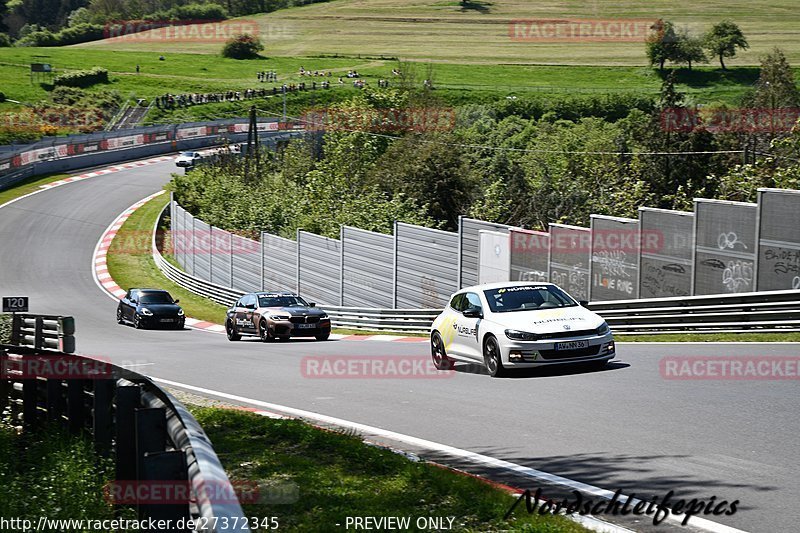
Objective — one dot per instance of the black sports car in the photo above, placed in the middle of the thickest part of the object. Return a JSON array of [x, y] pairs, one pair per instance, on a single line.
[[271, 315], [149, 308]]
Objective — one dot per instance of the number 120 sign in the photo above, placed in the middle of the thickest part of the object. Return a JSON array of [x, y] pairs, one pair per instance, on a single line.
[[15, 304]]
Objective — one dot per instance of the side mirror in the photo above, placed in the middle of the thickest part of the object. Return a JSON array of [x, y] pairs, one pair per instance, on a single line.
[[177, 301], [473, 312], [584, 303], [312, 304]]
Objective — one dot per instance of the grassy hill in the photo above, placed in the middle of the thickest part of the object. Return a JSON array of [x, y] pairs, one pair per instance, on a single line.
[[446, 31]]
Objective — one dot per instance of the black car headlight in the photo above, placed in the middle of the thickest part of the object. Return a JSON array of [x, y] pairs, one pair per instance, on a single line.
[[603, 329], [279, 317], [146, 312], [521, 335], [323, 317], [180, 312]]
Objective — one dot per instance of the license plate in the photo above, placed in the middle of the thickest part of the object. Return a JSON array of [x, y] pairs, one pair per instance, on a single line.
[[167, 320], [305, 326], [572, 345]]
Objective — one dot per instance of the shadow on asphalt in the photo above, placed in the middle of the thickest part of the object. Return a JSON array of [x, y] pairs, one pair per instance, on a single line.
[[544, 372]]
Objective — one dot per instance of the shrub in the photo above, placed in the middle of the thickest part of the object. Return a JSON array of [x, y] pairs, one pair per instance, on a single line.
[[243, 46], [5, 40], [82, 78]]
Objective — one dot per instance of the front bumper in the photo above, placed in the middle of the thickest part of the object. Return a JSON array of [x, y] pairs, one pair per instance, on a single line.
[[530, 354], [164, 321], [284, 328]]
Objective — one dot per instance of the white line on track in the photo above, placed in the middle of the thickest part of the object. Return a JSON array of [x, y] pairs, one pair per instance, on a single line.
[[701, 523]]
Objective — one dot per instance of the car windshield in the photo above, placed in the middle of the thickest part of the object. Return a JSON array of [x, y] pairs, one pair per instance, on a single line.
[[155, 298], [527, 298], [187, 154], [281, 301]]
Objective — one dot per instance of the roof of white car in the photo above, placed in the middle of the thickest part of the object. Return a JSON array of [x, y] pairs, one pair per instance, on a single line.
[[501, 284]]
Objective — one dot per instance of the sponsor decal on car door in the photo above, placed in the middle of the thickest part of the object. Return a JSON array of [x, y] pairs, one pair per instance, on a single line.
[[467, 327]]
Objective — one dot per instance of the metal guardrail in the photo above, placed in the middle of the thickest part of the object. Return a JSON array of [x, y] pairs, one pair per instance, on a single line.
[[753, 312], [152, 437], [399, 320], [758, 312], [43, 332]]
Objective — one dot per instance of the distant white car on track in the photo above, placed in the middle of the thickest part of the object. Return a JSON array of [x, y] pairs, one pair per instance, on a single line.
[[518, 325], [188, 159]]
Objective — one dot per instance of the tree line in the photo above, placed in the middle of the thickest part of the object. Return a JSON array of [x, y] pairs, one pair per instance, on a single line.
[[680, 46]]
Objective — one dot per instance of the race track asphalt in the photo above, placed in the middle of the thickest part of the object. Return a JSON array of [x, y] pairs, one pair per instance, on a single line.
[[622, 428]]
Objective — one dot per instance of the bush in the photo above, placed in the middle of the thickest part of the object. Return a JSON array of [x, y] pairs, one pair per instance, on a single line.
[[243, 46], [80, 33], [38, 38], [5, 40], [82, 78]]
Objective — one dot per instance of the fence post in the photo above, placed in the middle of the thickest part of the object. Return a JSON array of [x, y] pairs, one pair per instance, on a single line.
[[263, 251], [211, 253], [75, 405], [297, 237], [55, 399], [4, 383], [394, 269], [38, 338], [150, 436], [167, 467], [341, 265], [102, 422], [128, 400], [29, 384]]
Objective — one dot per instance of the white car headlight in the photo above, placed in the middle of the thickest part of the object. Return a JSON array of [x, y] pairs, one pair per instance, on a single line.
[[180, 312], [279, 317], [521, 335], [323, 316], [146, 311]]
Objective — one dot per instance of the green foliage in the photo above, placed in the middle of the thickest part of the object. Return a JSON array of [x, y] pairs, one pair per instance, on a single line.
[[5, 329], [776, 87], [690, 49], [5, 40], [50, 473], [662, 44], [244, 46], [723, 40], [82, 78]]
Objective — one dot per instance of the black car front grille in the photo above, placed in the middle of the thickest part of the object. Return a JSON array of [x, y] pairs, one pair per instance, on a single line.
[[567, 333], [304, 319], [569, 354]]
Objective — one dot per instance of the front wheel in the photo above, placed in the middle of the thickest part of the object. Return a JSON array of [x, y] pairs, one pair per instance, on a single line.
[[120, 320], [137, 321], [492, 358], [230, 330], [266, 336], [438, 353]]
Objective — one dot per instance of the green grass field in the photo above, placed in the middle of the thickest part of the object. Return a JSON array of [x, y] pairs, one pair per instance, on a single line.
[[443, 30], [470, 50]]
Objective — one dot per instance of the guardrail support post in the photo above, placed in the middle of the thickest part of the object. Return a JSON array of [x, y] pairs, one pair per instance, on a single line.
[[128, 400], [29, 400], [4, 383], [150, 436], [170, 469], [75, 405], [102, 420], [38, 335], [55, 399]]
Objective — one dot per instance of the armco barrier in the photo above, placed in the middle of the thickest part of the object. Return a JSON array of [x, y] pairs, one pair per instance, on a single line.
[[63, 154], [758, 312], [151, 436]]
